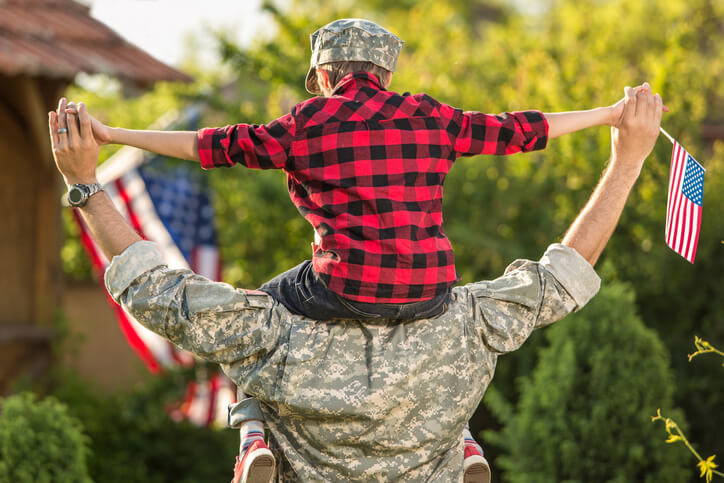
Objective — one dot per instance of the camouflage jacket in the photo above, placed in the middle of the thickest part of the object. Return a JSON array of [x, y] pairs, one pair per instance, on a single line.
[[351, 400]]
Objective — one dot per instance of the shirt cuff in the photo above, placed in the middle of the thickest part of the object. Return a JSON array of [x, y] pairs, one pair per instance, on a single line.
[[546, 126], [205, 147], [573, 272], [135, 260], [539, 127]]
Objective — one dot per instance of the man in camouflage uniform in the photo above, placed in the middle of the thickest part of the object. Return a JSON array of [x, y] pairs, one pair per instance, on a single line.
[[347, 400]]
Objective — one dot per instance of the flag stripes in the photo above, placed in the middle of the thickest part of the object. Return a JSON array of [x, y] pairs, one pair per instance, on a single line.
[[206, 401], [684, 203], [169, 205], [154, 351]]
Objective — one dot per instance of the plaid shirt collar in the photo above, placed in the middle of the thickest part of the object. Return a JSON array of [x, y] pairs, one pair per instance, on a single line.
[[354, 81]]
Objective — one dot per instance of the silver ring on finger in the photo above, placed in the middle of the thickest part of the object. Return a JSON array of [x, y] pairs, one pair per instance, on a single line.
[[62, 130]]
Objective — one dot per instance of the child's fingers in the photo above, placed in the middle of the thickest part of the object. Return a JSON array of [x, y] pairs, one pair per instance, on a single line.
[[646, 86], [643, 87], [72, 108]]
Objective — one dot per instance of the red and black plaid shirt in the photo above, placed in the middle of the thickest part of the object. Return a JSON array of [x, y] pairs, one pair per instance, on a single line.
[[366, 168]]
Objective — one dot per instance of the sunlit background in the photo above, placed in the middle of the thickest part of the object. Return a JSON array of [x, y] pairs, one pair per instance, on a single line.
[[575, 403]]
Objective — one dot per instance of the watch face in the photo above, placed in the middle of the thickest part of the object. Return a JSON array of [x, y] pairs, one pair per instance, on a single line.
[[75, 195]]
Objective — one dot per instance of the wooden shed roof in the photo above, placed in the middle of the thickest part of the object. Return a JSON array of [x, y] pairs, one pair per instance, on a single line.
[[59, 38]]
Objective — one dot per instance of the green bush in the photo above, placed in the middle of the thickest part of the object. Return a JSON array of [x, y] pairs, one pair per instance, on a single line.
[[134, 440], [40, 442], [585, 412]]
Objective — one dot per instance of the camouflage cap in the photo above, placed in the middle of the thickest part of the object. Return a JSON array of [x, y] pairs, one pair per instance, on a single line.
[[352, 39]]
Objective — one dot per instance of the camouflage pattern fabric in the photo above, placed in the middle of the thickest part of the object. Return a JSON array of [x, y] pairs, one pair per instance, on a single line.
[[352, 400], [352, 39]]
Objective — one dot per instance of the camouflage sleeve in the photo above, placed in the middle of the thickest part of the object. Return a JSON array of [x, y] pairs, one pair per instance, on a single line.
[[210, 319], [531, 295]]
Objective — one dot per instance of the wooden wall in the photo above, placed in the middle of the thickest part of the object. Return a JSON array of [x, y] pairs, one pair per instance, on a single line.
[[30, 231], [96, 347]]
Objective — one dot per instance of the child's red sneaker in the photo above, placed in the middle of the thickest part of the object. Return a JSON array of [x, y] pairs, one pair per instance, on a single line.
[[475, 466], [256, 466]]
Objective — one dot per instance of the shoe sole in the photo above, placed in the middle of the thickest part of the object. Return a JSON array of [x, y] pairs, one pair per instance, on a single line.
[[260, 469], [477, 471]]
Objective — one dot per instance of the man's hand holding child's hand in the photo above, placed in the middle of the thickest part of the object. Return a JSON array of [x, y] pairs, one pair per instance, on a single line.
[[617, 109], [74, 148], [101, 132]]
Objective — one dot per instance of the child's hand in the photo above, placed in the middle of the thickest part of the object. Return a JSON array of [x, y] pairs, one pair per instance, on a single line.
[[617, 109], [101, 132]]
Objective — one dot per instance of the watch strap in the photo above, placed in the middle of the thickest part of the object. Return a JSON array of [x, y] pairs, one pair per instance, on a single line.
[[88, 190], [94, 188]]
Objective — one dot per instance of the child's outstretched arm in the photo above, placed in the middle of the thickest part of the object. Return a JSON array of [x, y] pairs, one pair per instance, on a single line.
[[254, 146], [560, 123], [175, 144]]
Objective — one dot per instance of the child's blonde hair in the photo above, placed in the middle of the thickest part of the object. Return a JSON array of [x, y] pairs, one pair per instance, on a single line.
[[337, 70]]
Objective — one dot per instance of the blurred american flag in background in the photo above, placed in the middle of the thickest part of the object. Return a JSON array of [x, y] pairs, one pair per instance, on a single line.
[[167, 202]]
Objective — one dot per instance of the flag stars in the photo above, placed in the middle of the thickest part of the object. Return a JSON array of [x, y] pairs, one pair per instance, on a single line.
[[182, 205], [693, 183]]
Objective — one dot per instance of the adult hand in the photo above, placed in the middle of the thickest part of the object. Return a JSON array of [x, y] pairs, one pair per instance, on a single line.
[[635, 135], [616, 110], [75, 150]]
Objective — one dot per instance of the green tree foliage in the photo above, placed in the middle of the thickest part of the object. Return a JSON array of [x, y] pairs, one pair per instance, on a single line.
[[584, 412], [488, 56], [568, 55], [40, 442]]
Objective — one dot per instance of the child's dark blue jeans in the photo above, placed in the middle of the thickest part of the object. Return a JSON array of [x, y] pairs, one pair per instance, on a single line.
[[302, 292]]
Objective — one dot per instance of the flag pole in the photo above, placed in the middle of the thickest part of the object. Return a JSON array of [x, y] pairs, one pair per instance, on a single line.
[[667, 135]]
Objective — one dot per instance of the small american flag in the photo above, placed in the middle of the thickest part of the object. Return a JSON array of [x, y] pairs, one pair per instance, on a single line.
[[684, 206]]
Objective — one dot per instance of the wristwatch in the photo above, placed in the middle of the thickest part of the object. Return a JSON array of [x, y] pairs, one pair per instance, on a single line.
[[78, 194]]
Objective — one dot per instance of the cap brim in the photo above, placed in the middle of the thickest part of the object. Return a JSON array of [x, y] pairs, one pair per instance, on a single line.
[[311, 83]]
